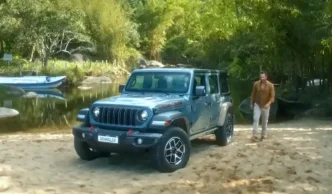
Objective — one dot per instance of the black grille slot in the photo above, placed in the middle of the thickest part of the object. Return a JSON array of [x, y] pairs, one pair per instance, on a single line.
[[118, 116]]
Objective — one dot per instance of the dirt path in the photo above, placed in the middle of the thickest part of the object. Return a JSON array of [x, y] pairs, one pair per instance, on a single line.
[[296, 159]]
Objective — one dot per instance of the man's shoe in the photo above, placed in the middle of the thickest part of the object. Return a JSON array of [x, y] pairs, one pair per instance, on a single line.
[[254, 138], [263, 137]]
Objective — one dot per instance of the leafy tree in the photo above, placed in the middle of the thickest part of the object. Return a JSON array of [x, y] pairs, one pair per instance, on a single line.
[[48, 27], [292, 39], [109, 26]]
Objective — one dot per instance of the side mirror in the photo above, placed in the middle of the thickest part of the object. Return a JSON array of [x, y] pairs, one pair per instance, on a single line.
[[121, 86], [200, 91]]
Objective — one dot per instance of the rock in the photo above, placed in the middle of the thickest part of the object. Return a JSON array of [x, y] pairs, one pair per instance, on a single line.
[[142, 61], [172, 66], [318, 112], [97, 80], [8, 112], [84, 87], [30, 95], [153, 63], [183, 65], [5, 183]]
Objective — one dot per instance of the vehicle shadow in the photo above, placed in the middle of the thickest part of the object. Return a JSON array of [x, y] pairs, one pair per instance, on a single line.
[[139, 163]]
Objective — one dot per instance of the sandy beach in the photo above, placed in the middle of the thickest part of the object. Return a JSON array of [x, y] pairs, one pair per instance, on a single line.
[[295, 159]]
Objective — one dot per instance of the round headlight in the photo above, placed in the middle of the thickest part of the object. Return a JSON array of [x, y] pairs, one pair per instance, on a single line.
[[144, 115], [96, 112]]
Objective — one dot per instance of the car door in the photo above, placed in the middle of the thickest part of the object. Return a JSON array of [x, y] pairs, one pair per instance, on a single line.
[[214, 98], [200, 112]]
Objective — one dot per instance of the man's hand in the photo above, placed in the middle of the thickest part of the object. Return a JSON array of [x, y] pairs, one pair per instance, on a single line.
[[267, 105], [251, 106]]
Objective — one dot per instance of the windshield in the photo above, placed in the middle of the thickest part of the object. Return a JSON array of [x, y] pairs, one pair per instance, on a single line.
[[165, 82]]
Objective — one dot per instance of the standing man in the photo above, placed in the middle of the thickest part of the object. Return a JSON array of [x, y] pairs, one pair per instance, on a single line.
[[262, 96]]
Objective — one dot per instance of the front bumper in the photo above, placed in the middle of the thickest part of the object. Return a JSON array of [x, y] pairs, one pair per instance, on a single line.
[[135, 141]]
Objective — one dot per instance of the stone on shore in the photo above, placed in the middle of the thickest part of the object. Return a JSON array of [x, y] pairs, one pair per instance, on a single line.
[[30, 95], [8, 112], [84, 87], [97, 80], [151, 64]]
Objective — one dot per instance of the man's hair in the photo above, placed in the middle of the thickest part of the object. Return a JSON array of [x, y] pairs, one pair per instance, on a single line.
[[263, 72]]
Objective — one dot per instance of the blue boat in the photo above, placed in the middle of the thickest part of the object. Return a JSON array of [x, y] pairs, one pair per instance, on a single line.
[[35, 82]]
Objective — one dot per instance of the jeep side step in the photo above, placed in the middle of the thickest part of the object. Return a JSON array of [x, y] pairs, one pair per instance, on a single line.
[[200, 134]]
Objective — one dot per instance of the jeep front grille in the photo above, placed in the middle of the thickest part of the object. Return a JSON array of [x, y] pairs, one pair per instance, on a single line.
[[118, 116]]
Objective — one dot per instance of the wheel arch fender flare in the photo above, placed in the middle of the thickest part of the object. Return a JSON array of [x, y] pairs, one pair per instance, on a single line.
[[170, 119], [225, 108], [83, 116]]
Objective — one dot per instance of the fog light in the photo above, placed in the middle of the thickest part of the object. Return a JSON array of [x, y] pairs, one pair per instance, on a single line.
[[83, 135], [139, 141]]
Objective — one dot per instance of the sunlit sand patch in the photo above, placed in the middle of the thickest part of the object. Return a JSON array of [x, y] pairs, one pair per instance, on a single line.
[[251, 184], [324, 128], [299, 139], [251, 144], [33, 137], [306, 187]]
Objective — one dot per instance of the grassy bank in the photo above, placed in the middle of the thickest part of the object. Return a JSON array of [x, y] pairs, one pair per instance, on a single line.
[[74, 71]]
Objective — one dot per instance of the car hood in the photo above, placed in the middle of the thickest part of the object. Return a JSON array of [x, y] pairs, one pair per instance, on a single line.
[[144, 100]]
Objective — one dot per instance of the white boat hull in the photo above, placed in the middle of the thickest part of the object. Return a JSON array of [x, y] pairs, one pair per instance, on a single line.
[[36, 82]]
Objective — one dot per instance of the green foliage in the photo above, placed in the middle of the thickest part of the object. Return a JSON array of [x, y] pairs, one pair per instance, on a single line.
[[285, 37], [109, 26], [47, 27]]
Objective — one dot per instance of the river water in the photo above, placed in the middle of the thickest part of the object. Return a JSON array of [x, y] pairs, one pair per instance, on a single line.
[[56, 109]]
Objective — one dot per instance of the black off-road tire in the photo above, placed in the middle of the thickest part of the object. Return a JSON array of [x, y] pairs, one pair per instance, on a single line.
[[224, 134], [159, 153], [84, 151], [104, 154]]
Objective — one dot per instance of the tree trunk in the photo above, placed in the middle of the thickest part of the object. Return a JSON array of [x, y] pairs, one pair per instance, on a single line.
[[1, 46], [330, 77], [45, 61], [237, 9], [32, 53], [322, 81], [312, 71], [293, 74]]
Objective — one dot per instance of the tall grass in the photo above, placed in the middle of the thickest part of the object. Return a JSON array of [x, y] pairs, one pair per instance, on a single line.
[[74, 71]]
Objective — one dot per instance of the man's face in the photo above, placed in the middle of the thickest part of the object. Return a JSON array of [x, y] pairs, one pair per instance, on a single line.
[[263, 77]]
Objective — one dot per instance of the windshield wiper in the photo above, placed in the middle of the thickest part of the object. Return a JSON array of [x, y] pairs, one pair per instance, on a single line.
[[161, 91], [135, 92]]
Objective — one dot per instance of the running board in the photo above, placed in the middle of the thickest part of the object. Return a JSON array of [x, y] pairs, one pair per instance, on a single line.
[[208, 132]]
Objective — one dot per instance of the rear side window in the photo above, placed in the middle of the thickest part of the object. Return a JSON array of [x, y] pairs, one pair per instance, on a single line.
[[214, 87], [223, 83]]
